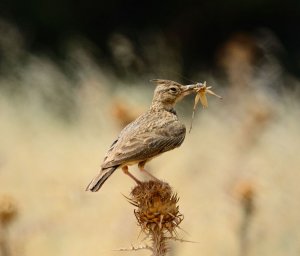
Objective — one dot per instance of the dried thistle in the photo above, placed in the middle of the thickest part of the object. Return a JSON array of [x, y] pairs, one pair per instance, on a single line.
[[245, 192], [201, 92], [8, 210], [157, 213]]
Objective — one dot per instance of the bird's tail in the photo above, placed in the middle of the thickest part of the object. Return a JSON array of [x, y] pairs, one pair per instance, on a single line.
[[99, 180]]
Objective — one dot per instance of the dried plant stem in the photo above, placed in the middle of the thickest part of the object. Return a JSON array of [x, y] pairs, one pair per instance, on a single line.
[[245, 226], [8, 212], [245, 193], [4, 244], [134, 248], [159, 241]]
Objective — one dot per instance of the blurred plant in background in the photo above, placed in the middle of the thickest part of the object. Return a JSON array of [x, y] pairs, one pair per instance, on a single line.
[[8, 213]]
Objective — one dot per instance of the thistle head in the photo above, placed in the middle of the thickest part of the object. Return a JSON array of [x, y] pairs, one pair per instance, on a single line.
[[157, 209]]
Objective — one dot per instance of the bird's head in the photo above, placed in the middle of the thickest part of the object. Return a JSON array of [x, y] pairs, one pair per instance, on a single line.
[[168, 92]]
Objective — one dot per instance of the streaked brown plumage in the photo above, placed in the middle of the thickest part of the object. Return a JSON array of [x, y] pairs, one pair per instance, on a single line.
[[156, 131]]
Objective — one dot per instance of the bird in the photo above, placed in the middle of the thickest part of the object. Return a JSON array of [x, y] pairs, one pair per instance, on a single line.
[[156, 131]]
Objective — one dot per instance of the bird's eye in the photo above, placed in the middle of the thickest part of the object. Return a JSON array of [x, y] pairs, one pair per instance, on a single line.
[[173, 89]]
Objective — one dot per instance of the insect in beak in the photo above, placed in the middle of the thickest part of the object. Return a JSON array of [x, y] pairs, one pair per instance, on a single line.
[[188, 89], [202, 90]]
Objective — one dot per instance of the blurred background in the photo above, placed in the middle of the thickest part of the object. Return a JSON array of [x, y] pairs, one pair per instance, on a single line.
[[73, 74]]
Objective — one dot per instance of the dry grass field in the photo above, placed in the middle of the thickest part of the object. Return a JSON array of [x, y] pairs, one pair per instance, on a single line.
[[237, 173]]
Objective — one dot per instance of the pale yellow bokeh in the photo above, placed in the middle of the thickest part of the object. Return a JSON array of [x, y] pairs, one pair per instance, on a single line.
[[46, 161]]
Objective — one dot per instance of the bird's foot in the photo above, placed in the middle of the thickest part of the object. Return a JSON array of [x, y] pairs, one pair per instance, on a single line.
[[148, 173], [126, 171]]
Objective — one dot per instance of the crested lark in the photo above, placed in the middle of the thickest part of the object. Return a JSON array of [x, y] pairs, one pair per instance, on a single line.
[[156, 131]]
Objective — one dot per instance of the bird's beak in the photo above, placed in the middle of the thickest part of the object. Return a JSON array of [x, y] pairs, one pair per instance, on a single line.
[[188, 89]]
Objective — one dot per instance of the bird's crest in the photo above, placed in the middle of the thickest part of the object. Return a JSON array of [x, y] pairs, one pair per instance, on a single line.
[[164, 82]]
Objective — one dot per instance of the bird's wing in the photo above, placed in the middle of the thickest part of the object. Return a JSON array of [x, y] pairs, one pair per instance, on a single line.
[[145, 145]]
